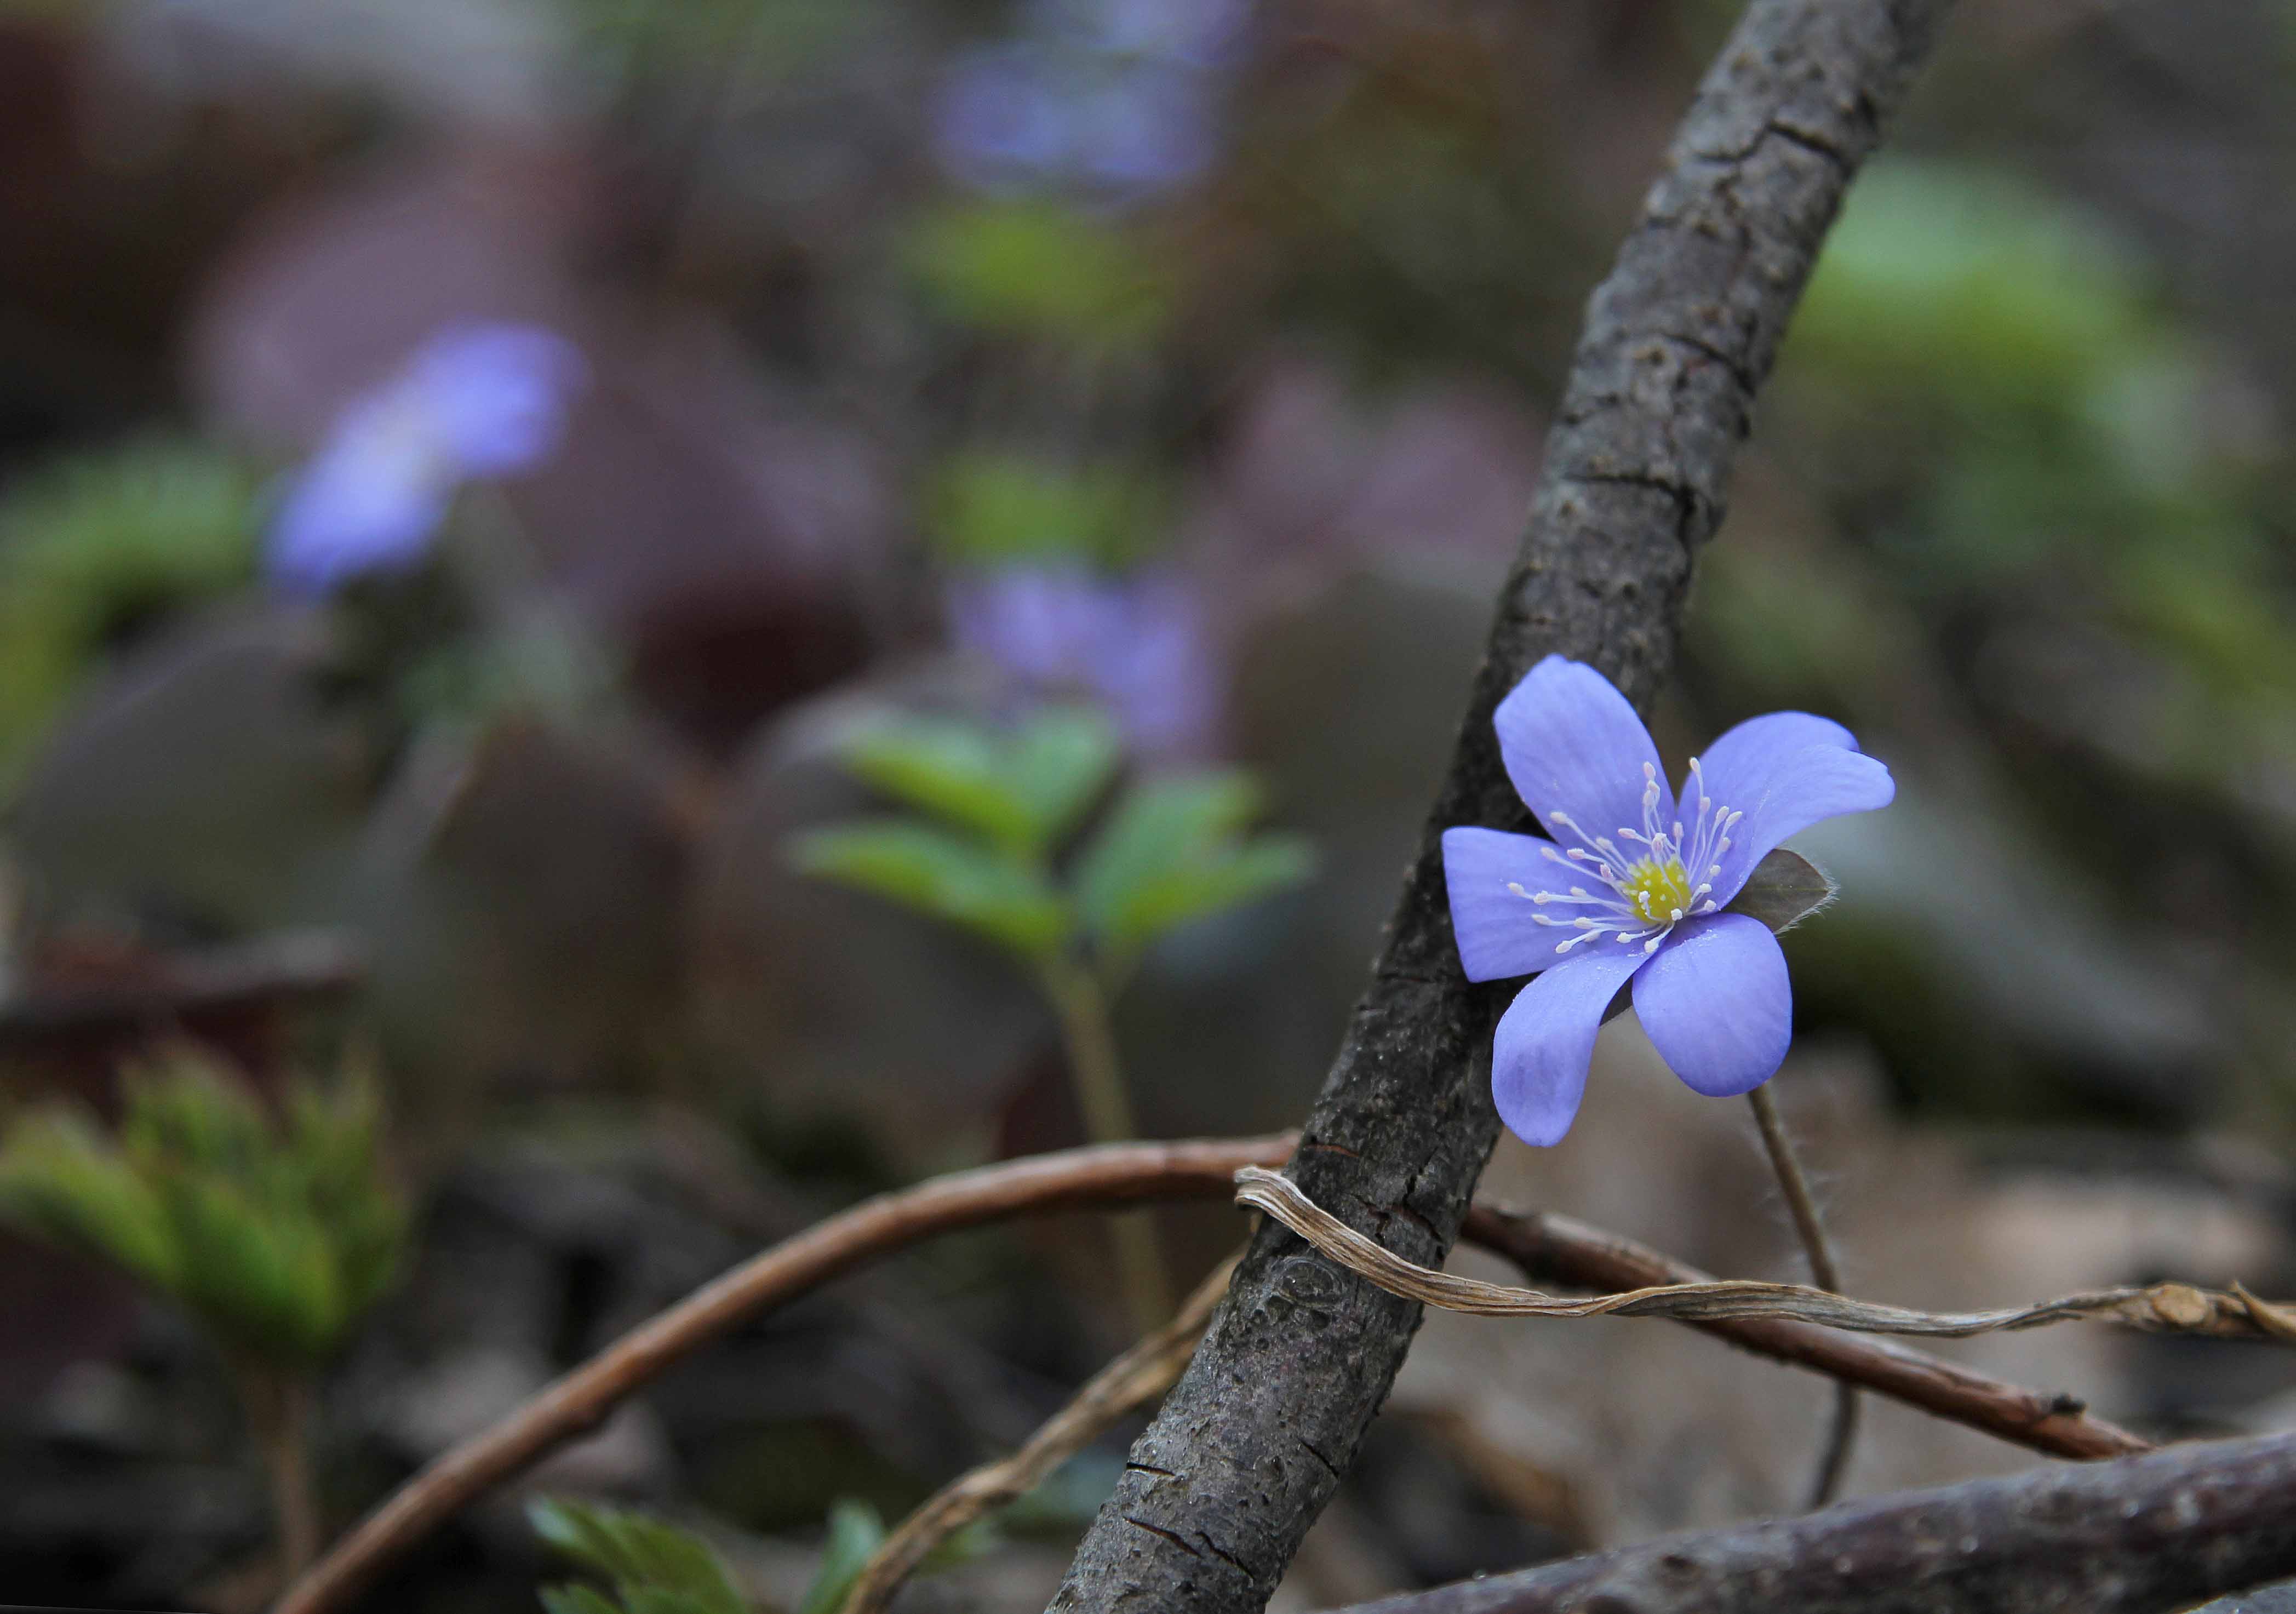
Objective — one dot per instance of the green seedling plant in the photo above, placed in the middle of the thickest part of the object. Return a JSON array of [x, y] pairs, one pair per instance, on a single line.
[[276, 1232], [995, 842], [653, 1567]]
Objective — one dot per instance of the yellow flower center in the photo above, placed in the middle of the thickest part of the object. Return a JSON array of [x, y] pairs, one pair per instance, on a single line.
[[1658, 888]]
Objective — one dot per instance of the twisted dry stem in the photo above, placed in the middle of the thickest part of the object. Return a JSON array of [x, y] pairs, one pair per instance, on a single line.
[[1841, 1432], [2232, 1313], [1561, 1250], [581, 1399]]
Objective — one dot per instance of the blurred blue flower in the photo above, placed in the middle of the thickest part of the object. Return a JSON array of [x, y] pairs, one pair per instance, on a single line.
[[1139, 644], [474, 401], [1117, 98], [1632, 887]]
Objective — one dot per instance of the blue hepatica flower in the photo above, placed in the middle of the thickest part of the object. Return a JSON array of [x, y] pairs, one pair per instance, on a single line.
[[476, 401], [1633, 887]]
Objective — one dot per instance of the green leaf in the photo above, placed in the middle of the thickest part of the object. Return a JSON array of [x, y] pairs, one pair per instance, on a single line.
[[277, 1237], [855, 1533], [1226, 880], [1059, 762], [656, 1567], [952, 770], [1169, 853], [1037, 269], [987, 510], [938, 873], [1019, 792], [60, 1180], [575, 1599]]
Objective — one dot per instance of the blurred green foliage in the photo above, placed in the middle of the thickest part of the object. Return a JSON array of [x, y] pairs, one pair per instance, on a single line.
[[98, 543], [1020, 790], [1174, 850], [659, 1569], [655, 1567], [855, 1532], [985, 508], [1972, 285], [1998, 394], [276, 1233], [1036, 269], [1167, 851]]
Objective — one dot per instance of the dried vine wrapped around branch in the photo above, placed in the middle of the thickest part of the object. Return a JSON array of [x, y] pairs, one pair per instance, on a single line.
[[2158, 1308]]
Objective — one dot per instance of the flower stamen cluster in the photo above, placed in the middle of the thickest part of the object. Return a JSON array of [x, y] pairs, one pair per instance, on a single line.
[[1644, 897]]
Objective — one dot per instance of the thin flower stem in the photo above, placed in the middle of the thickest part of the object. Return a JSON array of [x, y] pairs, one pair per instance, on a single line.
[[1089, 1040], [1841, 1434], [278, 1402]]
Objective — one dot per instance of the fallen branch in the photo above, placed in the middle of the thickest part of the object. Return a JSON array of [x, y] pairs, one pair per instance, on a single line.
[[1678, 337], [1133, 1380], [577, 1402], [2158, 1307], [1565, 1251], [2139, 1535]]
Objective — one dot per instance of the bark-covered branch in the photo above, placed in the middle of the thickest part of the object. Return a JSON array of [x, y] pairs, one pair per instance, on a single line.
[[2135, 1536], [1254, 1439]]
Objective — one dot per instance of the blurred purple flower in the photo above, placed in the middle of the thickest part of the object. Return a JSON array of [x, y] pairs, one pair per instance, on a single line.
[[475, 401], [1632, 887], [1139, 644], [1117, 97]]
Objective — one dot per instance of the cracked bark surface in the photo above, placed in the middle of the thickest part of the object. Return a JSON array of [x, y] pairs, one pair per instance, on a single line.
[[1677, 339], [2136, 1535]]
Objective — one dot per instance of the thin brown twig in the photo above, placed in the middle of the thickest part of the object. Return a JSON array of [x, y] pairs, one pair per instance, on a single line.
[[1841, 1428], [1133, 1379], [581, 1399], [1570, 1251], [1558, 1250]]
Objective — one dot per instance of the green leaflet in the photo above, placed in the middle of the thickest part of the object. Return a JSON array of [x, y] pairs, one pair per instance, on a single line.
[[942, 874], [1171, 852], [655, 1567], [855, 1533], [1019, 792]]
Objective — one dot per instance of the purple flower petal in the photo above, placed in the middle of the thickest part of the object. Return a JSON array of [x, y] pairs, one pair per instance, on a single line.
[[1575, 749], [369, 501], [498, 393], [1741, 758], [1497, 931], [1002, 119], [1716, 1004], [1798, 787], [1538, 1059], [1140, 643]]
